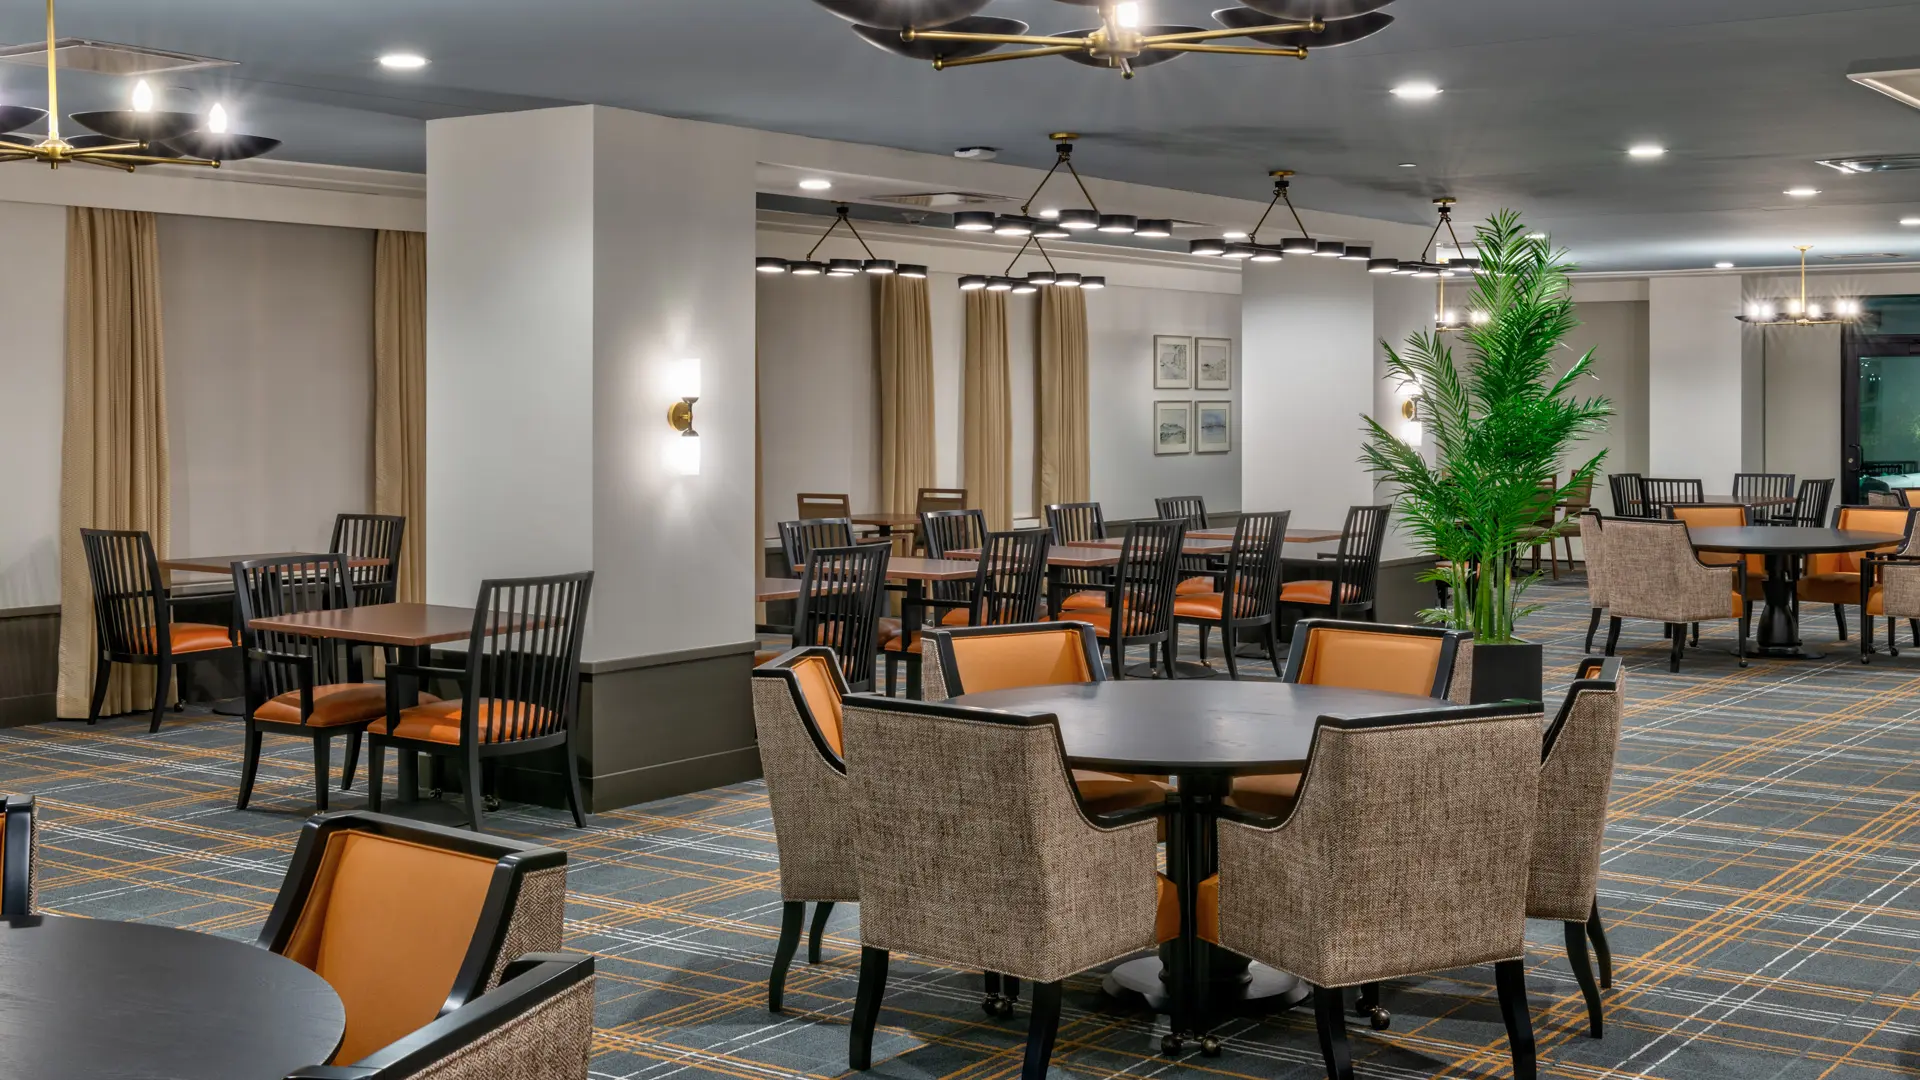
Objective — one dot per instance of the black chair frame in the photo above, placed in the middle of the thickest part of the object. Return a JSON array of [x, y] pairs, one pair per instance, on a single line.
[[1145, 579], [1077, 523], [942, 640], [1765, 486], [1006, 589], [1356, 566], [1677, 632], [1661, 492], [798, 539], [16, 856], [1810, 508], [842, 592], [129, 597], [1597, 675], [371, 536], [1629, 495], [1249, 589], [1450, 641]]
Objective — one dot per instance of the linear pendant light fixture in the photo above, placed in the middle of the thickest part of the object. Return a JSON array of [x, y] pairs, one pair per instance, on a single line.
[[124, 139], [1066, 222], [1250, 249], [1430, 265], [1800, 312], [809, 267], [1051, 276]]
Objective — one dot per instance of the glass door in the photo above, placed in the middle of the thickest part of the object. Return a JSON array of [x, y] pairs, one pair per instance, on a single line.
[[1880, 398]]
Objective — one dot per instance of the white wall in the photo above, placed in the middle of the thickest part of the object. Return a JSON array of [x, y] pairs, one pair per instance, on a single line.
[[1616, 331], [1803, 399], [818, 391], [32, 395], [269, 336], [1697, 373], [1402, 307]]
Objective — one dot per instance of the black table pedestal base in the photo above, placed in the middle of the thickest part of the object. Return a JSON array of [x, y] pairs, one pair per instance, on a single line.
[[1182, 669], [1776, 630], [1145, 979]]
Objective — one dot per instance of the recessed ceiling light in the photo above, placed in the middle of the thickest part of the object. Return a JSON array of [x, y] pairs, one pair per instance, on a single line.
[[1646, 150], [1910, 221], [1409, 164], [1801, 192], [403, 61], [814, 183], [1416, 91], [1723, 266], [1536, 236]]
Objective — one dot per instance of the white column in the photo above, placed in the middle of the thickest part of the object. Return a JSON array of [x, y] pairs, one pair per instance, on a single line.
[[1701, 412]]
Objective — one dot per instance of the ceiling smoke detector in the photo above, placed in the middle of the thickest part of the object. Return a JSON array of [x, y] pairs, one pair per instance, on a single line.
[[108, 58], [940, 200], [1862, 256], [976, 153]]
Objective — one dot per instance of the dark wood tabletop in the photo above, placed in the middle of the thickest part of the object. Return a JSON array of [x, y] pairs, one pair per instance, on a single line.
[[1195, 545], [1070, 556], [223, 564], [406, 625], [90, 999], [1787, 539], [1728, 500], [1294, 536], [887, 520], [914, 569], [770, 589], [1192, 726]]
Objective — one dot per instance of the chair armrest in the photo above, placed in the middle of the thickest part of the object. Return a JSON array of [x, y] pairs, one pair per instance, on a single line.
[[333, 1072]]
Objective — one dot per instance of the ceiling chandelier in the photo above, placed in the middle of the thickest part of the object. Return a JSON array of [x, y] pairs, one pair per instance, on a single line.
[[1059, 225], [123, 139], [951, 33], [1801, 311], [809, 267], [1008, 282], [1247, 245]]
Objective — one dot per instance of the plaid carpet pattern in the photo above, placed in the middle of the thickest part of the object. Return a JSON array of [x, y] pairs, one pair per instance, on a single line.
[[1759, 891]]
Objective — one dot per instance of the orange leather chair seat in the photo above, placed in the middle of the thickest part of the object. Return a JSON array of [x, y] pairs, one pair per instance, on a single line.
[[1166, 921], [892, 644], [1089, 600], [1107, 793], [1266, 793], [1830, 588], [189, 637], [439, 721], [957, 617], [1314, 592], [333, 705], [1194, 586], [1207, 606], [1102, 621]]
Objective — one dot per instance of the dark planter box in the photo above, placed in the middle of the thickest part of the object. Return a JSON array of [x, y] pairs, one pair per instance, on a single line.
[[1506, 672]]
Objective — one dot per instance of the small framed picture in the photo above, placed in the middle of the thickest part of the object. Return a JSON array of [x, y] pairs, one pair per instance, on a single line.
[[1172, 363], [1213, 421], [1213, 363], [1172, 427]]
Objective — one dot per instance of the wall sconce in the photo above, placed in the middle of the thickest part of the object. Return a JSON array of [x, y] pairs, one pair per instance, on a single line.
[[683, 450]]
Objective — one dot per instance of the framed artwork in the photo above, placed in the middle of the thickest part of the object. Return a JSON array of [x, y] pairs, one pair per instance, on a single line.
[[1172, 427], [1213, 363], [1172, 363], [1213, 425]]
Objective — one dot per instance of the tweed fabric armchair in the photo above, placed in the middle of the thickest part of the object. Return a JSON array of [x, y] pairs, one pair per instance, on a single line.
[[1593, 549], [1570, 822], [975, 852], [1837, 578], [1437, 879], [537, 1025], [797, 714], [1890, 587], [19, 870], [1653, 573]]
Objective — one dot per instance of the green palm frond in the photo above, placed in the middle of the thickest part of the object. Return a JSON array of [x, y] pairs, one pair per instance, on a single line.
[[1500, 426]]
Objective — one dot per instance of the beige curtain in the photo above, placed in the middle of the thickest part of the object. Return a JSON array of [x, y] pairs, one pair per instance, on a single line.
[[1060, 413], [987, 404], [400, 397], [906, 391], [113, 452]]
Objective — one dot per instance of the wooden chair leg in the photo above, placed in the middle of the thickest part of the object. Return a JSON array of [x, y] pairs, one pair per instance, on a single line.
[[793, 915], [1597, 933], [353, 759], [821, 911], [1511, 977], [1593, 627], [1331, 1023], [163, 677], [1840, 618], [249, 764], [468, 770], [322, 770], [376, 771], [1205, 630], [1044, 1027], [1229, 644], [183, 675], [1678, 632], [866, 1007], [576, 802], [1576, 939], [102, 675], [1613, 634]]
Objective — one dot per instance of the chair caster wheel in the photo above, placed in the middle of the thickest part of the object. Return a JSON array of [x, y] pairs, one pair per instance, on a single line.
[[991, 1005], [1210, 1046], [492, 803], [1005, 1007], [1380, 1018], [1172, 1045], [435, 794]]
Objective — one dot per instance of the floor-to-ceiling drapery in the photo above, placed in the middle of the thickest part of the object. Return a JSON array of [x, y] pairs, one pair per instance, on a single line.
[[400, 397], [906, 391], [1061, 469], [113, 451], [987, 410]]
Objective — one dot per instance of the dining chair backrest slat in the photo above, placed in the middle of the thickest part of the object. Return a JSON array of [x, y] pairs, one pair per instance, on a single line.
[[131, 616]]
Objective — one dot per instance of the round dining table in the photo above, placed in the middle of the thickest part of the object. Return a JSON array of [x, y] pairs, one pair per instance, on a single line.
[[1204, 732], [92, 999], [1783, 546]]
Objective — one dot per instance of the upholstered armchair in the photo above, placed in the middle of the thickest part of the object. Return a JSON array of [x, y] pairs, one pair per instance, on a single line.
[[1890, 588], [19, 878], [1593, 548], [1654, 573], [1837, 578]]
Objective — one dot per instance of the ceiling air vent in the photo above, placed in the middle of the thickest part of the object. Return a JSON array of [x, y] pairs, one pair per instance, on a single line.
[[108, 58], [941, 200], [1862, 256], [1872, 163], [1899, 83]]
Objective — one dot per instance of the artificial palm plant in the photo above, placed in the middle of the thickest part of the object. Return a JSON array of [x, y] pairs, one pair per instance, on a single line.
[[1501, 426]]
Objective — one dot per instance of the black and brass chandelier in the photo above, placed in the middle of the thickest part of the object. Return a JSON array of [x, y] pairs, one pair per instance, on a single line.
[[1052, 276], [1061, 224], [123, 139], [1431, 264], [952, 33], [1800, 311], [1247, 245], [840, 268]]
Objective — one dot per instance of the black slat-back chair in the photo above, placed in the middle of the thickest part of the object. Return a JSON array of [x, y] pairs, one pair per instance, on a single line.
[[1198, 573], [1629, 497], [1249, 592], [946, 531], [798, 539], [519, 690], [1356, 571], [1766, 486], [1661, 493], [842, 592], [370, 536], [1077, 523], [1139, 599], [1005, 591], [133, 619], [1810, 509], [297, 685]]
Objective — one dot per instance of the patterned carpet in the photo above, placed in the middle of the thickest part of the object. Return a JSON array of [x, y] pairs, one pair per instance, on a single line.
[[1759, 890]]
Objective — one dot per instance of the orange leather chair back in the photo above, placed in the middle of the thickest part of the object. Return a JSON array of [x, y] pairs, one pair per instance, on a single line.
[[1721, 517], [388, 924], [822, 691], [1886, 519], [1029, 658], [1363, 660]]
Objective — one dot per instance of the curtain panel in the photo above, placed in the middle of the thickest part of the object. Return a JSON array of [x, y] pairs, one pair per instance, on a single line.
[[987, 410], [1061, 468], [400, 397], [905, 327]]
